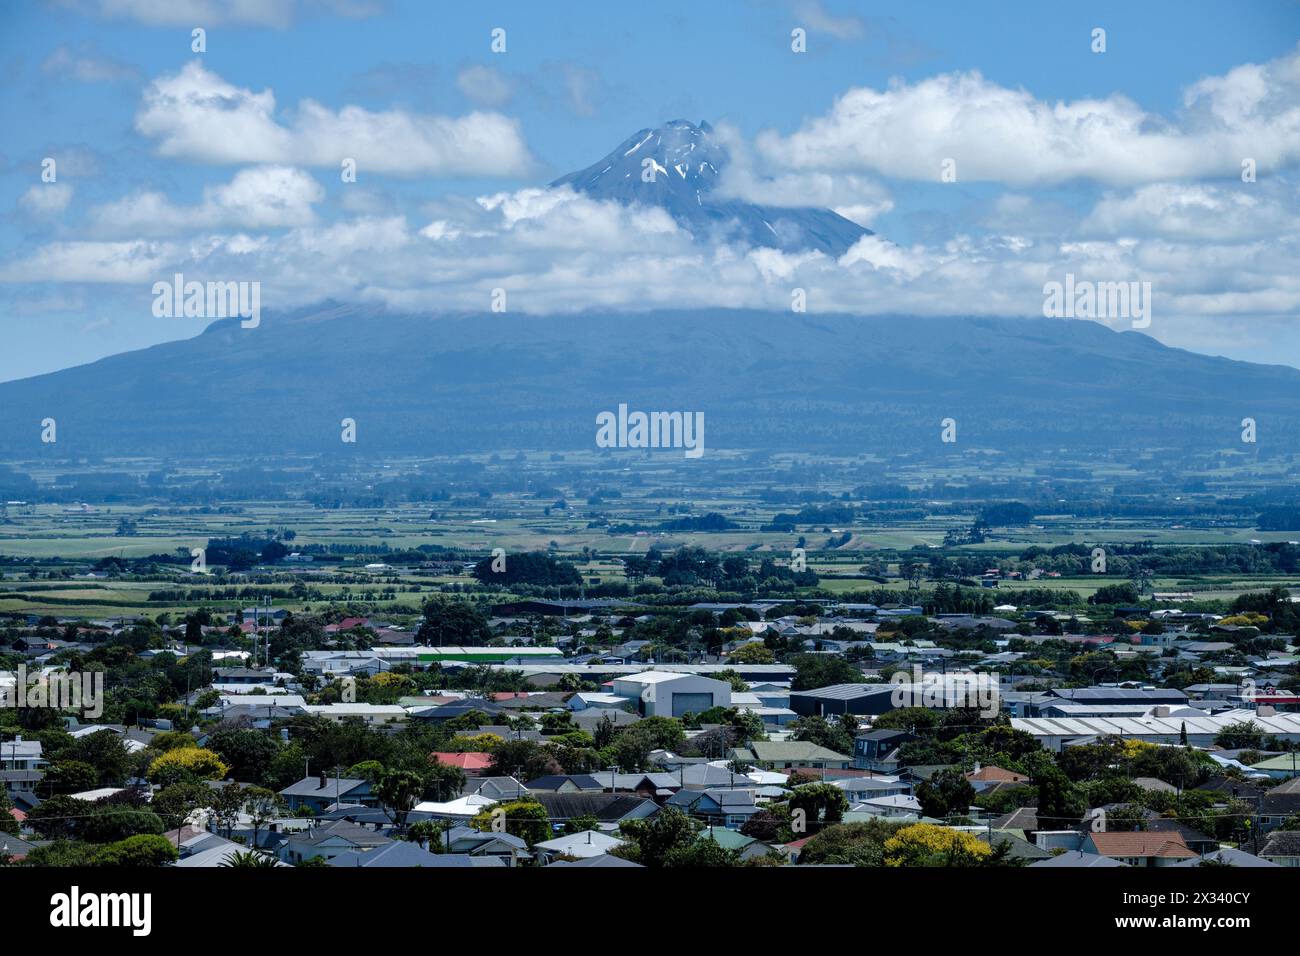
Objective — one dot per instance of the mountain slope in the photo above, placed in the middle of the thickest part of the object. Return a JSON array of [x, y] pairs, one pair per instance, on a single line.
[[683, 163], [419, 384]]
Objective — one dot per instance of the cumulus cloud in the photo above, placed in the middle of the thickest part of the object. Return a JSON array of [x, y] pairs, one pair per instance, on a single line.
[[859, 198], [87, 261], [195, 114], [1007, 135], [87, 67], [264, 13], [1196, 210], [266, 197], [558, 251], [45, 200]]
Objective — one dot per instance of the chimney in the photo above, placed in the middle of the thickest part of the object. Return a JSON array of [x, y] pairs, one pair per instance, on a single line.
[[1265, 710], [1161, 710], [322, 781]]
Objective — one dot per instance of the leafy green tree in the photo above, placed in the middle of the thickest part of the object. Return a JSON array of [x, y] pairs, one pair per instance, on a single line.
[[7, 822], [821, 803], [398, 791], [1060, 803], [144, 850], [452, 623], [855, 844], [69, 776], [946, 793], [652, 842], [1239, 735], [248, 753], [525, 819], [823, 670]]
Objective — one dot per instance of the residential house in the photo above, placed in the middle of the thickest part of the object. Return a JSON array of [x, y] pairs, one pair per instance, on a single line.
[[472, 762], [609, 808], [588, 843], [505, 846], [1140, 848], [331, 840], [877, 750], [727, 808], [1279, 804], [322, 791], [791, 755], [1282, 848], [401, 853]]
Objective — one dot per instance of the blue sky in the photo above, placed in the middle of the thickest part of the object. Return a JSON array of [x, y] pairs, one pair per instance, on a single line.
[[1068, 160]]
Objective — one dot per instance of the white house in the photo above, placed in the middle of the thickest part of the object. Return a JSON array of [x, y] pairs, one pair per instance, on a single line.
[[581, 845]]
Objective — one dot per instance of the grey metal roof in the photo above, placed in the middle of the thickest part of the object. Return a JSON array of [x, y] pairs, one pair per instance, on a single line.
[[845, 691]]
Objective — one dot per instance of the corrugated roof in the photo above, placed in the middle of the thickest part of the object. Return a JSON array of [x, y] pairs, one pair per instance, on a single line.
[[1281, 723]]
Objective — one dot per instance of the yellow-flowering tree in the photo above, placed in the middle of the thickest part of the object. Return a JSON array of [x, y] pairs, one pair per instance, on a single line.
[[926, 844], [186, 763]]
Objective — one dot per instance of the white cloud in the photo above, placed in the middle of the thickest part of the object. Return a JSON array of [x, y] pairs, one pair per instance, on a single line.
[[1199, 211], [814, 16], [265, 197], [188, 13], [1005, 135], [106, 262], [484, 85], [196, 115], [854, 197], [87, 68], [45, 200]]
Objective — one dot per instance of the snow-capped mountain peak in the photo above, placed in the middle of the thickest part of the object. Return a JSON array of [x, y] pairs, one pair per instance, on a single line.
[[678, 165]]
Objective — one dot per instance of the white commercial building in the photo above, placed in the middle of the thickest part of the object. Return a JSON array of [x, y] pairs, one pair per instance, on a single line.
[[1157, 727], [664, 694]]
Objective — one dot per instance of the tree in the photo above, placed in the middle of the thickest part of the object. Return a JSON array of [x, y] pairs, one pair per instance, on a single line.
[[248, 753], [136, 851], [823, 670], [261, 806], [653, 842], [111, 824], [1060, 804], [398, 791], [452, 623], [525, 819], [752, 652], [820, 803], [249, 859], [946, 793], [819, 731], [8, 824], [426, 834], [69, 776], [1240, 735], [443, 782], [926, 844], [854, 844], [186, 763], [106, 752]]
